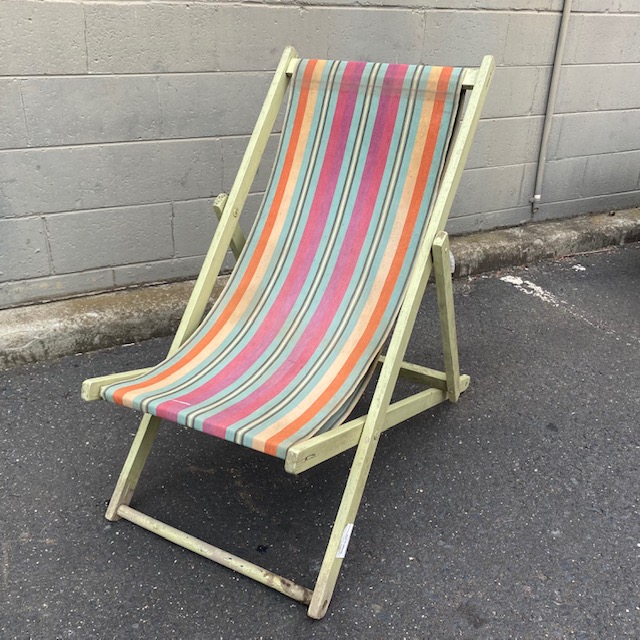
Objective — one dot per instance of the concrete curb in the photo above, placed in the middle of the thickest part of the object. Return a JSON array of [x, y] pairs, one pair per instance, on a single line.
[[53, 329]]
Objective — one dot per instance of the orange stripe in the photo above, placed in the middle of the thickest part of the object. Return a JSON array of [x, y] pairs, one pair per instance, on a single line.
[[271, 445]]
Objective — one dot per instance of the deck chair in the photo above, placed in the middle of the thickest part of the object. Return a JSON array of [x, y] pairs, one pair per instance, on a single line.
[[335, 266]]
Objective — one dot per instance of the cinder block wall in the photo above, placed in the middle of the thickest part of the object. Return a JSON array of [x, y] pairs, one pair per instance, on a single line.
[[120, 120]]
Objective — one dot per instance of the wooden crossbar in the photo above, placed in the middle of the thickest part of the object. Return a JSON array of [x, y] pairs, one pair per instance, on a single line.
[[305, 455], [418, 373], [226, 559]]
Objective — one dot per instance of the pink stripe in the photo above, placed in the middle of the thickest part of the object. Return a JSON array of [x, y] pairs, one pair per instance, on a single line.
[[377, 157], [303, 259]]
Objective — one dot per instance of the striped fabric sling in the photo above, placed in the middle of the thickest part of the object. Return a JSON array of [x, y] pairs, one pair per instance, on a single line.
[[288, 347]]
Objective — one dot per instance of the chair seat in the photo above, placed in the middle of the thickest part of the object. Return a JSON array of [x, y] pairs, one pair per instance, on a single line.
[[289, 345]]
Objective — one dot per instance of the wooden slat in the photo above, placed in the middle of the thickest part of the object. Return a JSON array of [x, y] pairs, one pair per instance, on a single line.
[[133, 466], [312, 452], [292, 66], [91, 387], [226, 559], [469, 79], [418, 373]]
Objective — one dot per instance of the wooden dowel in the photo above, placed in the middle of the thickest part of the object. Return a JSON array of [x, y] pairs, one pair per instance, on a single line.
[[266, 577]]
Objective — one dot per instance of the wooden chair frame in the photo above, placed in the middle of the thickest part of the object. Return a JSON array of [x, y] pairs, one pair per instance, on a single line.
[[363, 432]]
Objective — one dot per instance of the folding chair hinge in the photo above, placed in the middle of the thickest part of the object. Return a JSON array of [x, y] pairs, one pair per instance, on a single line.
[[237, 240]]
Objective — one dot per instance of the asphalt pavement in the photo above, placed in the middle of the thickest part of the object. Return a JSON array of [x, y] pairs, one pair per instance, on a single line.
[[513, 514]]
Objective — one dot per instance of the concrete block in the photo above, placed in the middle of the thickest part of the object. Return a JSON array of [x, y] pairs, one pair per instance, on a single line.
[[159, 271], [463, 37], [598, 88], [375, 35], [488, 220], [194, 224], [517, 91], [528, 183], [611, 6], [232, 152], [594, 204], [531, 38], [23, 249], [13, 128], [214, 104], [109, 237], [162, 171], [489, 189], [554, 136], [500, 5], [151, 37], [77, 110], [252, 37], [503, 5], [96, 176], [611, 173], [24, 292], [42, 38], [505, 141], [563, 179], [42, 180], [601, 38], [608, 132]]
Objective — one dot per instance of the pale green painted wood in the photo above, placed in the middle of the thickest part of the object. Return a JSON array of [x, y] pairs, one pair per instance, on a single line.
[[91, 387], [308, 454], [237, 240], [444, 289], [133, 465], [423, 375], [264, 576], [470, 78]]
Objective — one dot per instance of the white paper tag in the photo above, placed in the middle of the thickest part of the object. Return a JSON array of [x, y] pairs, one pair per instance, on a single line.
[[344, 541]]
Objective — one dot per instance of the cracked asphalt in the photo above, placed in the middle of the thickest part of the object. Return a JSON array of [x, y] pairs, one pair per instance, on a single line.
[[513, 514]]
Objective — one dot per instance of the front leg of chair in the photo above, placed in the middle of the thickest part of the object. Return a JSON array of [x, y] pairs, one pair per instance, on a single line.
[[133, 465], [342, 528]]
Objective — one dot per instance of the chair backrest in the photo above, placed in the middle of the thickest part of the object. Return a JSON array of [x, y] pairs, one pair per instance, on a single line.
[[286, 350]]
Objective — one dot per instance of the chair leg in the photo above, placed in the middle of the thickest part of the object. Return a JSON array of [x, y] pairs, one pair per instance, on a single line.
[[342, 528], [133, 465], [444, 289]]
